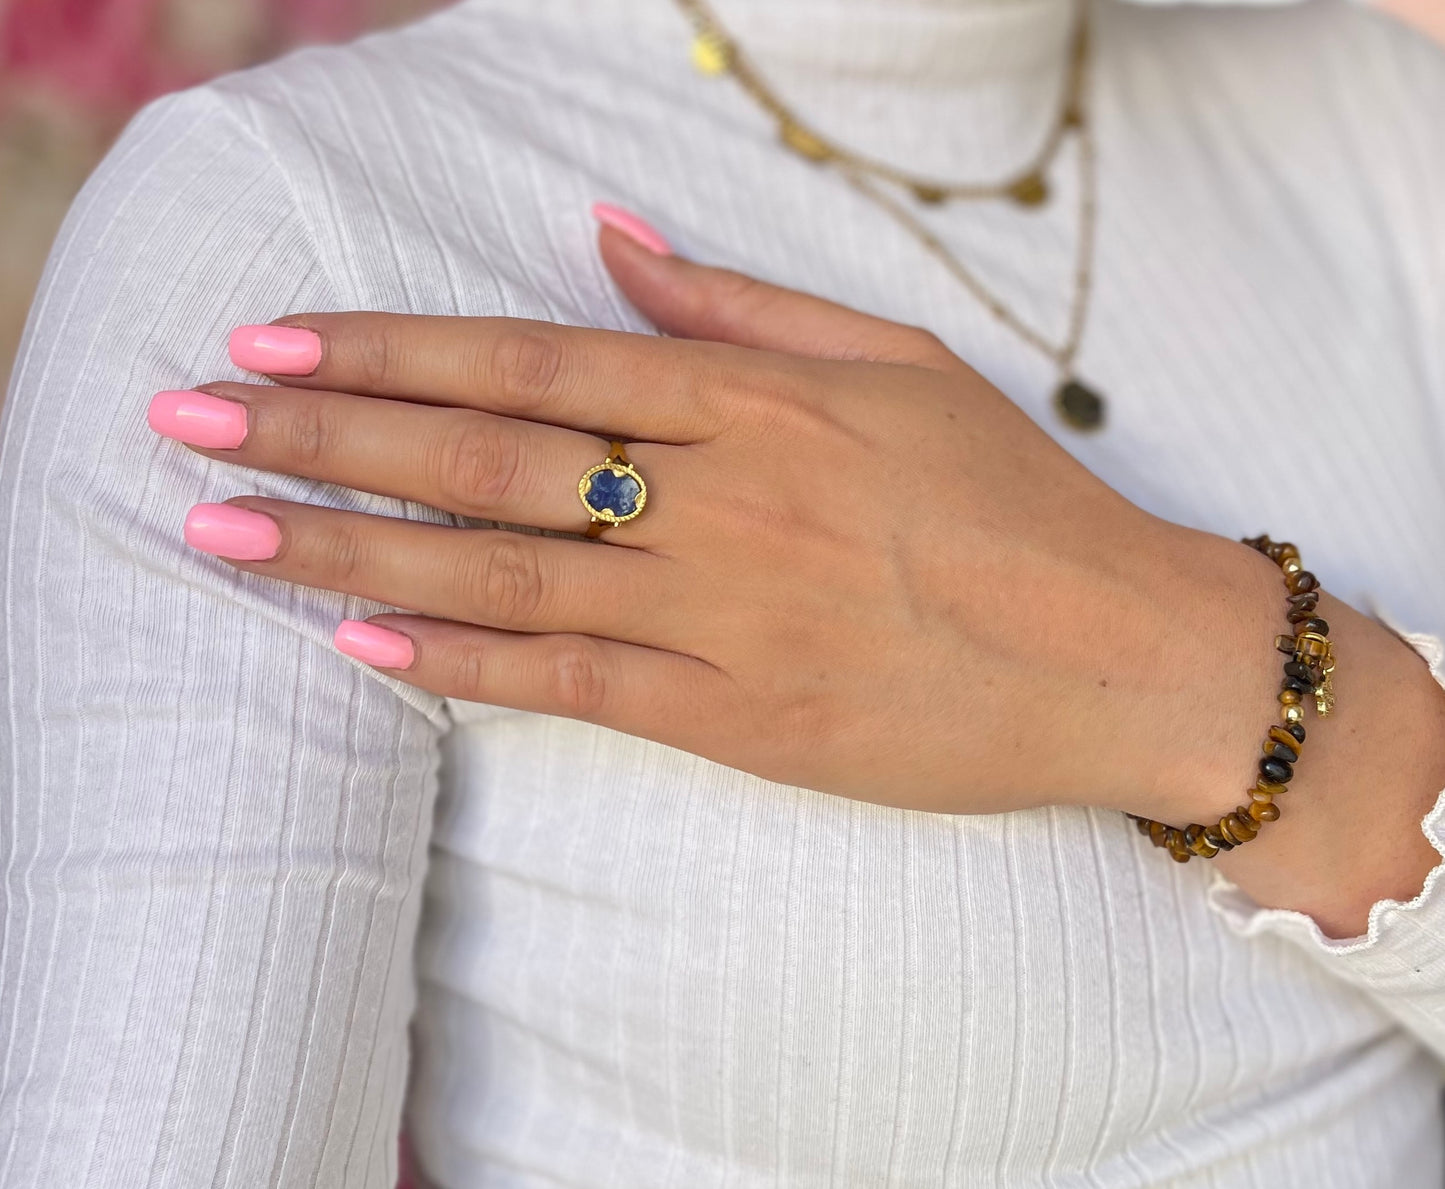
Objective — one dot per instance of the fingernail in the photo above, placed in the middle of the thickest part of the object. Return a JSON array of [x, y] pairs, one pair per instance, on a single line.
[[374, 645], [228, 531], [198, 419], [276, 350], [639, 231]]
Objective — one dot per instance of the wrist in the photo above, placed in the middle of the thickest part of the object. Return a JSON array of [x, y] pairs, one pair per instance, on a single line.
[[1221, 676]]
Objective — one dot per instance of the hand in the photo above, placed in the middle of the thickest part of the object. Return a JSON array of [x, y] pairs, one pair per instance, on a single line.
[[860, 568]]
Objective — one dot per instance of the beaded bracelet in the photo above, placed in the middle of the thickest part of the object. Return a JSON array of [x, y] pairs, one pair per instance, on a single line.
[[1307, 671]]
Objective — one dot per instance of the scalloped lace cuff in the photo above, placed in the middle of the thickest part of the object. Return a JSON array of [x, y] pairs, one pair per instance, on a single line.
[[1403, 936]]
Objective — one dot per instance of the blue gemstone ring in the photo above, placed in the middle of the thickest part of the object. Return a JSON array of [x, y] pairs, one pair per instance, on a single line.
[[612, 491]]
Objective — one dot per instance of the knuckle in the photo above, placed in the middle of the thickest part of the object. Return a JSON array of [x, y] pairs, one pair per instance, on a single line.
[[344, 555], [508, 580], [923, 347], [374, 358], [480, 469], [576, 677], [470, 673], [523, 365], [312, 434]]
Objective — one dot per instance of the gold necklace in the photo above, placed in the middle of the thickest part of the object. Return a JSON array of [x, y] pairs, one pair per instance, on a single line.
[[715, 52]]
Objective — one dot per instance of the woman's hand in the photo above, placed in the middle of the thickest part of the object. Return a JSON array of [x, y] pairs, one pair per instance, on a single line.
[[860, 568]]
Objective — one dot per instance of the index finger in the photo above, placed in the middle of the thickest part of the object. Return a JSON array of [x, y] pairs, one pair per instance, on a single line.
[[610, 382]]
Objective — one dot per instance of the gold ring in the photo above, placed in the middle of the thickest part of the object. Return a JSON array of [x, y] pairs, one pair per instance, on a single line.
[[612, 491]]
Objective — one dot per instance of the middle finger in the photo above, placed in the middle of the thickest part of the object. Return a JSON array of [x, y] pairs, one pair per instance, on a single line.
[[472, 463]]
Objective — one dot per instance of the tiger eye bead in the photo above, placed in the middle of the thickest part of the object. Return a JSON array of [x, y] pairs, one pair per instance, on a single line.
[[1236, 828], [1289, 697], [1303, 602], [1158, 831], [1276, 771], [1297, 731], [1288, 645], [1217, 838], [1271, 787], [1286, 740], [1264, 811], [1287, 552], [1302, 582], [1263, 796], [1293, 715], [1316, 625]]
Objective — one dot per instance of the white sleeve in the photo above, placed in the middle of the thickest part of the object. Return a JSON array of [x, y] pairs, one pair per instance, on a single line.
[[1400, 960], [213, 827]]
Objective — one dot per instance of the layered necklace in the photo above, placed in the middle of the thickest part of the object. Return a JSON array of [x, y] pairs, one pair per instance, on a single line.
[[899, 193]]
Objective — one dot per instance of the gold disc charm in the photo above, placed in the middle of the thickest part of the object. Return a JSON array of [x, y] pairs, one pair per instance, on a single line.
[[1030, 190], [612, 491], [712, 54], [929, 195]]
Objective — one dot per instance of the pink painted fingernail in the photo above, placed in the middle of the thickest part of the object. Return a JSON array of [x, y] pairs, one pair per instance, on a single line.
[[639, 231], [198, 419], [374, 645], [228, 531], [276, 350]]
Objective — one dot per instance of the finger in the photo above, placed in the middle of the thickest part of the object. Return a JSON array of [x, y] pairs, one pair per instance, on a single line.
[[607, 382], [694, 301], [519, 581], [649, 692], [471, 463]]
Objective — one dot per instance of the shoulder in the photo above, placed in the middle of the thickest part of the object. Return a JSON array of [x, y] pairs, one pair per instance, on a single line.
[[433, 163]]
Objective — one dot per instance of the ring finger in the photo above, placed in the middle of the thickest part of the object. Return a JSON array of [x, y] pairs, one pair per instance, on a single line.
[[519, 581], [473, 463]]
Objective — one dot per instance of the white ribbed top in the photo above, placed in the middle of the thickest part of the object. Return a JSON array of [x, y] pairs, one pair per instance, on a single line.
[[638, 968]]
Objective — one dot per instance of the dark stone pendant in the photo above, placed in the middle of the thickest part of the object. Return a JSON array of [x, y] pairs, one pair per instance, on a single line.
[[1079, 405]]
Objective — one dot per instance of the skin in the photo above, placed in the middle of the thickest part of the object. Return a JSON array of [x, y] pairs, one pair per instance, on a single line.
[[861, 569]]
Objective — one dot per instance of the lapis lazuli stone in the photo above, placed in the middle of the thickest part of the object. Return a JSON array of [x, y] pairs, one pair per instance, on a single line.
[[613, 493]]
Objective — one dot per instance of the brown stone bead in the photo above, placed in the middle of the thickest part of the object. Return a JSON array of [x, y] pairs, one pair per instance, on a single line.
[[1204, 848], [1301, 615], [1320, 626], [1294, 683], [1261, 542], [1240, 826], [1275, 770], [1286, 644], [1302, 582], [1276, 750], [1142, 823], [1262, 796], [1303, 602], [1284, 551], [1289, 697], [1264, 811], [1273, 788], [1157, 833], [1217, 838], [1286, 740]]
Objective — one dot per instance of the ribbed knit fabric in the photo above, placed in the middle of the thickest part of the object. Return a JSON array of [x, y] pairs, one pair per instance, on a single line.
[[638, 968]]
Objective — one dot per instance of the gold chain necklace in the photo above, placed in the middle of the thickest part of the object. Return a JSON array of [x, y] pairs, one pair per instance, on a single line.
[[715, 52]]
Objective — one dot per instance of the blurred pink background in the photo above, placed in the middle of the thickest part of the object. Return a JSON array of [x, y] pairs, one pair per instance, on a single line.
[[72, 72]]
